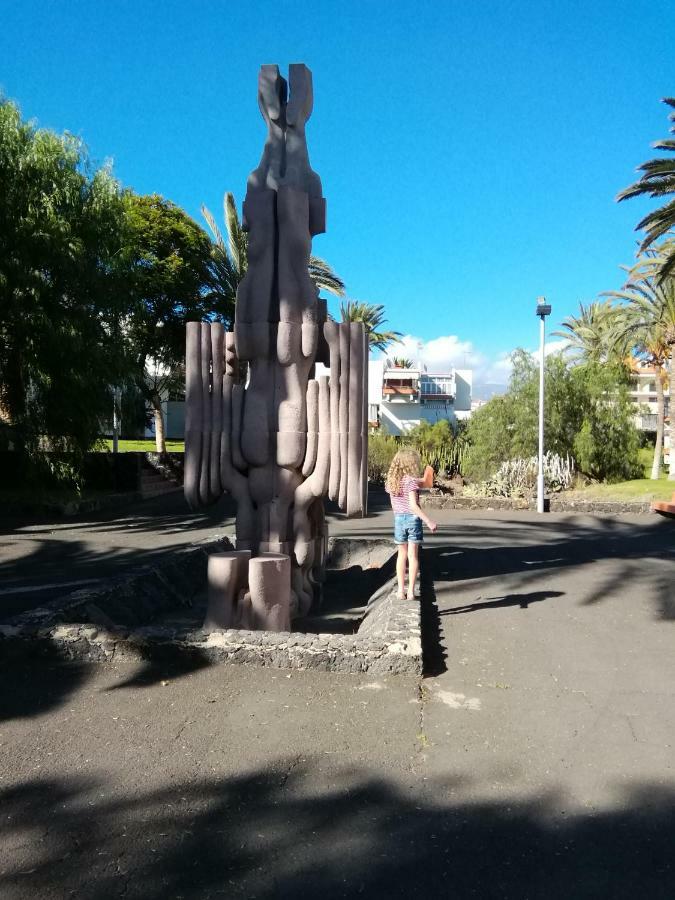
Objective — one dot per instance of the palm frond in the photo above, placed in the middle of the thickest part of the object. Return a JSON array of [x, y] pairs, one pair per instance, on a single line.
[[590, 335], [237, 237], [372, 316], [213, 226], [324, 277], [657, 180]]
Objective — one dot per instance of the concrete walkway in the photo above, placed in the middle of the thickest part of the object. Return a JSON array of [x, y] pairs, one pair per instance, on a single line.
[[535, 759]]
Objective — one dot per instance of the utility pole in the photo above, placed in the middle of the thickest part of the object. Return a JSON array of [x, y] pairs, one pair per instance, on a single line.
[[543, 310]]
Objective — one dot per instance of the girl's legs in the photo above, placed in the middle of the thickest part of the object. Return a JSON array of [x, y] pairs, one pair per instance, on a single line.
[[413, 569], [401, 560]]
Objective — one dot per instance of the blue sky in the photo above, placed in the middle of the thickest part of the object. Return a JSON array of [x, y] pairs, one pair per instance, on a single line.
[[470, 152]]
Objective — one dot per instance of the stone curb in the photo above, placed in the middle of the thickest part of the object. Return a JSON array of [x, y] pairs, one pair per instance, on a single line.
[[615, 507], [388, 641]]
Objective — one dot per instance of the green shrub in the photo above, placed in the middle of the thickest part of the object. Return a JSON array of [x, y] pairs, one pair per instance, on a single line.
[[381, 450], [440, 445], [588, 416]]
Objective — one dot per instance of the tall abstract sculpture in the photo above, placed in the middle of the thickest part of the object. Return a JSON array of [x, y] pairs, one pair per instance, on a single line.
[[276, 438]]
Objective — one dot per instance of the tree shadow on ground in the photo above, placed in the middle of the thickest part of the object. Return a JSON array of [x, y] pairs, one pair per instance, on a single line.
[[521, 600], [166, 513], [37, 682], [164, 662], [638, 554], [285, 832]]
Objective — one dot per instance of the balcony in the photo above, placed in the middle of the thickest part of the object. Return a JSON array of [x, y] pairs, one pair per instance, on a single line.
[[400, 391], [647, 422], [437, 387]]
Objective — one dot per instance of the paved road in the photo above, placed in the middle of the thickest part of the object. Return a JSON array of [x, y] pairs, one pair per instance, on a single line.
[[534, 759]]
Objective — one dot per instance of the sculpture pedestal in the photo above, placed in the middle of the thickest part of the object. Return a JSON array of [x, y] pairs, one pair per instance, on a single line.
[[269, 578], [227, 575]]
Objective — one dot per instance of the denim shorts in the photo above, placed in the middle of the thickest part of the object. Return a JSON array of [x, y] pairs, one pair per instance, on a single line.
[[407, 529]]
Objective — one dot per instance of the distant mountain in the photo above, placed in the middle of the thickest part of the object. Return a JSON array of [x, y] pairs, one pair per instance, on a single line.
[[487, 390]]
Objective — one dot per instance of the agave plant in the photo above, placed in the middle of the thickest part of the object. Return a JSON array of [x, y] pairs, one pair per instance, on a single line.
[[517, 478], [402, 362]]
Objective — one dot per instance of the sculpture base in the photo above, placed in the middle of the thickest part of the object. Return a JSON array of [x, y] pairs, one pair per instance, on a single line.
[[154, 617]]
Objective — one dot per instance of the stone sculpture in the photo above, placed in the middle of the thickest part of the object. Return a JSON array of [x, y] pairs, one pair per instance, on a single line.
[[258, 424]]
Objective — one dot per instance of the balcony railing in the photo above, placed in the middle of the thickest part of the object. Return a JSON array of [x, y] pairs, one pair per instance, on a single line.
[[437, 386]]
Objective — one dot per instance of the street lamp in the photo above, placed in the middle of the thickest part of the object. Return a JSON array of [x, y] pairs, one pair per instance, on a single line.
[[543, 310]]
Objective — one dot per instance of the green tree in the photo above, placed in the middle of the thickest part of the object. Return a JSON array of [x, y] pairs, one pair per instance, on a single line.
[[230, 259], [658, 180], [169, 261], [61, 290], [489, 437], [372, 316], [579, 399], [606, 444]]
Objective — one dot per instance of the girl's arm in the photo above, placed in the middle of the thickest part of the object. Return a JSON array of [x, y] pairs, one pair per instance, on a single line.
[[427, 480], [417, 511]]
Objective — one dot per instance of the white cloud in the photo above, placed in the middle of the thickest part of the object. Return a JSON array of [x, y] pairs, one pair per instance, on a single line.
[[490, 373], [439, 354]]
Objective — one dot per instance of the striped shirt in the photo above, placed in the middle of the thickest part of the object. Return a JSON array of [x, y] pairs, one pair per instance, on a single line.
[[400, 502]]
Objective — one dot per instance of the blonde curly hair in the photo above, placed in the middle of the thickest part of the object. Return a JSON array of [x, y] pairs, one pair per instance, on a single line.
[[406, 462]]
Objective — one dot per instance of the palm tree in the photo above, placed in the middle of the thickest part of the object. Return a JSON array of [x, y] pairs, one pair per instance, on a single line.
[[372, 316], [590, 335], [648, 321], [230, 259], [658, 180], [402, 362]]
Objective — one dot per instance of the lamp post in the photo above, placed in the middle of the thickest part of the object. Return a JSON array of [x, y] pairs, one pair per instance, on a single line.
[[543, 310]]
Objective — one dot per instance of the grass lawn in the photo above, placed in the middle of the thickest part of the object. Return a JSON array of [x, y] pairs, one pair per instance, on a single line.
[[147, 446], [638, 489]]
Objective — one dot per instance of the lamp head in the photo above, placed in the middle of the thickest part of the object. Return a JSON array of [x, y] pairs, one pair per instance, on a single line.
[[543, 308]]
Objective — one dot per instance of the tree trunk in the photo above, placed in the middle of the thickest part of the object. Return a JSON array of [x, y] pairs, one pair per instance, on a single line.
[[660, 414], [160, 440], [671, 392]]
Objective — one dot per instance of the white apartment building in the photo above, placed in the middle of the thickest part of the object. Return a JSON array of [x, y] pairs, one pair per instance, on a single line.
[[399, 399], [643, 394]]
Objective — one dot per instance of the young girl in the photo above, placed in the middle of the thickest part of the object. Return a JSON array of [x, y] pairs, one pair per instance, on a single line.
[[402, 484]]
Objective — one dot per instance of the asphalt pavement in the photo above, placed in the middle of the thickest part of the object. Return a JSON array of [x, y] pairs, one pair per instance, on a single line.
[[535, 758]]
